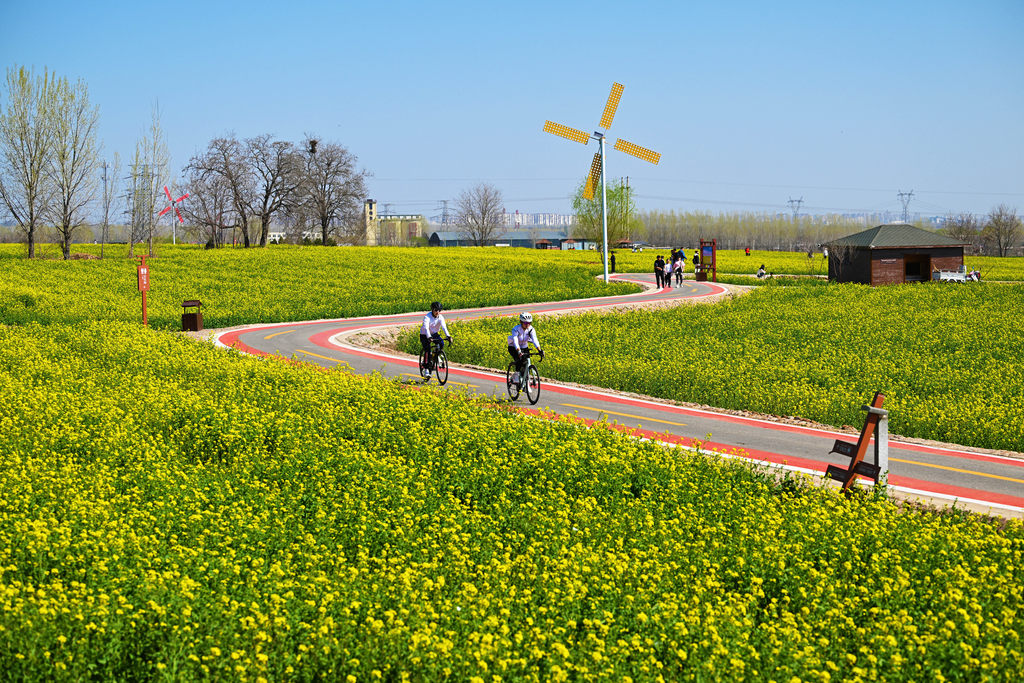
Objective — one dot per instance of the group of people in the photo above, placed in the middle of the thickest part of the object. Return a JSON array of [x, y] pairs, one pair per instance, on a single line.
[[675, 265], [521, 338]]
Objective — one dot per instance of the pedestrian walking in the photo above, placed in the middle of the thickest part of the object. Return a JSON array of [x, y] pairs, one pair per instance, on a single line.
[[680, 270], [659, 273], [668, 274], [613, 261]]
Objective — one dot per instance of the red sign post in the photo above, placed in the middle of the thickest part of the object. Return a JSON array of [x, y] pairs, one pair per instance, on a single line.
[[144, 287]]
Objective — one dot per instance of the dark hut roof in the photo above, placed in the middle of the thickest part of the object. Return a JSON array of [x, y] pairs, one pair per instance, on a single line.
[[895, 236]]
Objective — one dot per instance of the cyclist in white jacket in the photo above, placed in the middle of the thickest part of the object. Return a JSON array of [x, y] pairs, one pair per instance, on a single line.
[[433, 323], [519, 341]]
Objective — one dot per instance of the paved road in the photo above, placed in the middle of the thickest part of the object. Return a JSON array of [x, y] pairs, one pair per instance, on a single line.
[[990, 481]]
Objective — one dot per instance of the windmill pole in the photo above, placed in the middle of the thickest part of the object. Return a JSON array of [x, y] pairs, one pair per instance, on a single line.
[[604, 208]]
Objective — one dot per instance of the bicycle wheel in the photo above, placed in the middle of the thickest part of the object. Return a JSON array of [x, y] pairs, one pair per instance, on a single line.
[[424, 373], [441, 368], [532, 385], [513, 388]]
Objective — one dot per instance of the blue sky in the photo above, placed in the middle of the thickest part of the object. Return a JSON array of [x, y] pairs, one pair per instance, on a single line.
[[841, 103]]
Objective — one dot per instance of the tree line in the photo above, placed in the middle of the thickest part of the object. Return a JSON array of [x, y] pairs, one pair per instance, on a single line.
[[998, 233], [51, 174]]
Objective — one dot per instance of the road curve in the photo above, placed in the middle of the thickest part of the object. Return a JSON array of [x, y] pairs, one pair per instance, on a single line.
[[982, 480]]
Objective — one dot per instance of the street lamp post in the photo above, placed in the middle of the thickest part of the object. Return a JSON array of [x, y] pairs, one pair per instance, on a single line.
[[604, 207]]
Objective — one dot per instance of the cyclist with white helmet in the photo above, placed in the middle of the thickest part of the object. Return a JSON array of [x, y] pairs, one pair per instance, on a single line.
[[519, 342], [433, 323]]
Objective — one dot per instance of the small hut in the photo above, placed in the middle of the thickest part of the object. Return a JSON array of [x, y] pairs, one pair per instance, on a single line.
[[892, 254]]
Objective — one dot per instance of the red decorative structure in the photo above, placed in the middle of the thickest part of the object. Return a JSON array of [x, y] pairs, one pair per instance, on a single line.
[[173, 205], [708, 261]]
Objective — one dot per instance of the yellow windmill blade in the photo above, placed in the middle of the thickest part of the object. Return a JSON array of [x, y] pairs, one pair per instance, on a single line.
[[611, 105], [637, 151], [593, 178], [566, 132]]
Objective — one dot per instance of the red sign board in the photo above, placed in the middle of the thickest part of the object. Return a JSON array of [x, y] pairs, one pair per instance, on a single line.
[[143, 278]]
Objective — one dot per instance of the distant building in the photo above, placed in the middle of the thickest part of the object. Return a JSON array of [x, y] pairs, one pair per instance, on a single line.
[[892, 254], [529, 238], [392, 229]]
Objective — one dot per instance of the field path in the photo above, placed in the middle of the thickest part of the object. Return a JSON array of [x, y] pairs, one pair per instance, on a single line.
[[978, 480]]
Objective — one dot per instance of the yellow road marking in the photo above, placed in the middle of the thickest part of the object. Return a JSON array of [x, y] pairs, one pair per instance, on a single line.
[[420, 377], [310, 353], [956, 469], [271, 336], [635, 417]]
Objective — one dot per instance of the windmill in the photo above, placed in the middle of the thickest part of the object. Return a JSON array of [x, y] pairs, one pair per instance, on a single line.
[[597, 166], [173, 205]]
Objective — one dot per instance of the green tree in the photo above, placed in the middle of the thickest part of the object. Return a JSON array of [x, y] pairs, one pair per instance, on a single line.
[[623, 223]]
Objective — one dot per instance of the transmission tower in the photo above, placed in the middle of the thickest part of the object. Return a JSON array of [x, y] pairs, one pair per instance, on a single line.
[[905, 200], [445, 216], [795, 205]]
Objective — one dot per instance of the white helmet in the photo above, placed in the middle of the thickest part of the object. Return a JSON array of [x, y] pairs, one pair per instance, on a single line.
[[526, 317]]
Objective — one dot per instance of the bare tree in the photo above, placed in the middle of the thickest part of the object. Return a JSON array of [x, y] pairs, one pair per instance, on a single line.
[[75, 158], [478, 213], [276, 168], [963, 227], [26, 134], [1002, 229], [840, 257], [158, 159], [226, 158], [333, 190], [210, 203], [111, 185]]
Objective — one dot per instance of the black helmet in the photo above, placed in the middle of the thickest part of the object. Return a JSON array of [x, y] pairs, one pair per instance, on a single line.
[[436, 306]]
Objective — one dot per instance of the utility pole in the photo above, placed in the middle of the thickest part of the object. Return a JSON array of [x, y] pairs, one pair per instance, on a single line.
[[106, 210], [905, 200]]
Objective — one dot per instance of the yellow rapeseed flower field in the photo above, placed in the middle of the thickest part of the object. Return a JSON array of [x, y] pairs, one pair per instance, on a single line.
[[169, 510], [281, 283]]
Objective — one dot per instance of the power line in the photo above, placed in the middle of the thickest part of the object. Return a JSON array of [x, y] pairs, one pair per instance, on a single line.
[[708, 182]]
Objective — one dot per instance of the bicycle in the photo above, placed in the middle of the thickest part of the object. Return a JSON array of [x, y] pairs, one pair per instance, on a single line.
[[437, 361], [532, 379]]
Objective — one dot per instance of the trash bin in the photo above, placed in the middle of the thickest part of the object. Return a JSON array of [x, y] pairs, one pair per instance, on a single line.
[[191, 320]]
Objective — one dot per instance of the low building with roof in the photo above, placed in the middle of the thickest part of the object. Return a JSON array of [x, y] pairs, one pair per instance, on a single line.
[[892, 254], [523, 237]]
